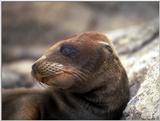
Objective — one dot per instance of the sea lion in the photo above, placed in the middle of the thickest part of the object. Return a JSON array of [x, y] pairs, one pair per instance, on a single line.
[[85, 80]]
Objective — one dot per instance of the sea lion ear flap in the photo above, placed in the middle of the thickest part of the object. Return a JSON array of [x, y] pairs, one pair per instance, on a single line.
[[105, 45]]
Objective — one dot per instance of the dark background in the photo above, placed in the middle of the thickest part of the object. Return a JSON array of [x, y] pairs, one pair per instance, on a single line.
[[28, 28]]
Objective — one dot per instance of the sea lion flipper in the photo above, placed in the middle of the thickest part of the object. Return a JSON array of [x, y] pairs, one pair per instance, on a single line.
[[19, 107]]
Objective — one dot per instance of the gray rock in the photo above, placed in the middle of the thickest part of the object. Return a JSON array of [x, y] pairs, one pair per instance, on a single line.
[[134, 38], [146, 103], [17, 74], [139, 63], [138, 48]]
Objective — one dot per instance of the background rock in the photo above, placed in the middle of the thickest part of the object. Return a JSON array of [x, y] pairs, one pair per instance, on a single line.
[[17, 74], [137, 57], [36, 25], [139, 50], [146, 103]]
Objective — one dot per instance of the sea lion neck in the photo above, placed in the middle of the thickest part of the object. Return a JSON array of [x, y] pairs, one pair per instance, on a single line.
[[92, 101], [94, 96]]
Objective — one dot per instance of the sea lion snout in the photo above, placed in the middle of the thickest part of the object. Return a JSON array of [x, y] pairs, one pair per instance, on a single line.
[[36, 63], [35, 66], [43, 68], [49, 68]]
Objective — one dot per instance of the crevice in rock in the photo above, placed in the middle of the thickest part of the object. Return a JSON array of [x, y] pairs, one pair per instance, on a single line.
[[149, 40]]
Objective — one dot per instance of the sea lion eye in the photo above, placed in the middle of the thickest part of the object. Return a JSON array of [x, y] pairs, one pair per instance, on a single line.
[[69, 50]]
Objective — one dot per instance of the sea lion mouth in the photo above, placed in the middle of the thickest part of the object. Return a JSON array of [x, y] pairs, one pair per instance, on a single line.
[[46, 70], [58, 75]]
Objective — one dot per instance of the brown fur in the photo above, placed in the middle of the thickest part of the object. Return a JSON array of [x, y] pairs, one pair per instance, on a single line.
[[86, 81]]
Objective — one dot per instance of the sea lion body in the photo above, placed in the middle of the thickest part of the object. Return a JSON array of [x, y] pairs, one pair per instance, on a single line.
[[33, 104], [86, 81]]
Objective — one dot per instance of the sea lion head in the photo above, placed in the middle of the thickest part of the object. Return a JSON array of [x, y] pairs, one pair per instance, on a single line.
[[78, 63]]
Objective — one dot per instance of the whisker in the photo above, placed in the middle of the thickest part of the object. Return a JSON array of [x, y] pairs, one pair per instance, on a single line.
[[81, 77], [34, 81], [43, 85], [77, 74]]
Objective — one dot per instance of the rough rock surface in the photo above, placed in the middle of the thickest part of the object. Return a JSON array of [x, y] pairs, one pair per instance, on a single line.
[[146, 103], [139, 50]]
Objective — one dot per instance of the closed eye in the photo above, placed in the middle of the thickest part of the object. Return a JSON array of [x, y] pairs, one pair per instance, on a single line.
[[69, 51]]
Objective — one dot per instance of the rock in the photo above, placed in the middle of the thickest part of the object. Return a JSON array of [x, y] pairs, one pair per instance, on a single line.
[[16, 53], [17, 74], [132, 39], [137, 56], [139, 52], [11, 79], [146, 103], [139, 63]]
